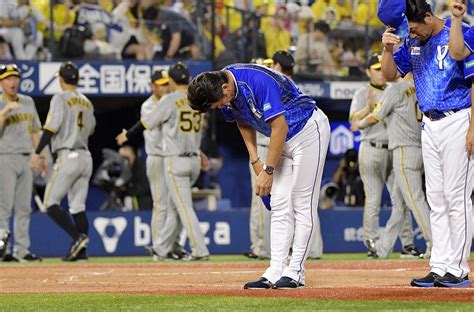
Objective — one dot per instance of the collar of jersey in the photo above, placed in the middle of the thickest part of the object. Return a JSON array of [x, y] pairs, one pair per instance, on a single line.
[[377, 88], [15, 99], [235, 85]]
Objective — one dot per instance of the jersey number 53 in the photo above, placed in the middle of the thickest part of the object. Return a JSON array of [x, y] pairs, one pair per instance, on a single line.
[[190, 121]]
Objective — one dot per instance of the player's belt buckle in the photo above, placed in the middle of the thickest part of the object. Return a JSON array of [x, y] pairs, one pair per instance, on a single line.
[[437, 115], [378, 144]]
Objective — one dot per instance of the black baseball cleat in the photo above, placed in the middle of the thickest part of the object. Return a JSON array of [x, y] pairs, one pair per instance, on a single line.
[[77, 246], [427, 281], [372, 251], [4, 243], [286, 282], [82, 256], [31, 258], [9, 258], [411, 251], [261, 283], [449, 280], [250, 254]]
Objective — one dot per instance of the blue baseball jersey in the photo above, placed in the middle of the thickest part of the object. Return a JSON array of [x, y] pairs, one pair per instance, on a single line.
[[262, 94], [441, 82]]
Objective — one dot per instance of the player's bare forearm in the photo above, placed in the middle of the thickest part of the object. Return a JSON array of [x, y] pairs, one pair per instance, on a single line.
[[457, 48], [35, 139], [250, 139], [389, 68], [277, 139], [359, 115]]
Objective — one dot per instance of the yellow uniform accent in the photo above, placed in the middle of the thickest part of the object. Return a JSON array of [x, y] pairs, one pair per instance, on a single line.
[[53, 179], [362, 154], [156, 207]]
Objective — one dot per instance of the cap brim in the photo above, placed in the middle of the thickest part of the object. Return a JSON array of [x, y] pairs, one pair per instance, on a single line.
[[162, 81], [10, 73], [268, 62], [376, 66]]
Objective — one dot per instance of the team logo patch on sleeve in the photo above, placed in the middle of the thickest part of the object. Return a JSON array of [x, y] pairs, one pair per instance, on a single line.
[[267, 106]]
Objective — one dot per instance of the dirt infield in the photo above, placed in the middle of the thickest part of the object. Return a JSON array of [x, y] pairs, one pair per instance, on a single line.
[[344, 280]]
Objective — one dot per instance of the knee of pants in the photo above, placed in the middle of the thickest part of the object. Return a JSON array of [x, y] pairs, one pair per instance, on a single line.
[[77, 209], [52, 202], [436, 200]]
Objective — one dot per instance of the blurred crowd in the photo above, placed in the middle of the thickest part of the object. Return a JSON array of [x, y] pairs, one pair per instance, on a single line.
[[327, 37]]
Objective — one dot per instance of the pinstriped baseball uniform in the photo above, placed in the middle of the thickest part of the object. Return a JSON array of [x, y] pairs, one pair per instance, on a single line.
[[181, 128], [155, 164], [375, 165], [71, 119], [400, 111], [259, 215], [16, 180]]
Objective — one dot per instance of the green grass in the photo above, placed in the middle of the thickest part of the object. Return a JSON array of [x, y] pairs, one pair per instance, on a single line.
[[89, 302], [216, 259]]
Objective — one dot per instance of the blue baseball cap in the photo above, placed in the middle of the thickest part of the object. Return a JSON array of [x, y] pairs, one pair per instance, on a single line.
[[393, 14]]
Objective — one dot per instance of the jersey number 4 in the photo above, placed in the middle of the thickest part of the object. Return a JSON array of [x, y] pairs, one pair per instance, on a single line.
[[190, 121], [80, 120]]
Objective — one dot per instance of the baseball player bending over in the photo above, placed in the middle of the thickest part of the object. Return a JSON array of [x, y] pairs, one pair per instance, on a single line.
[[181, 128], [399, 110], [443, 88], [19, 134], [263, 100], [68, 126]]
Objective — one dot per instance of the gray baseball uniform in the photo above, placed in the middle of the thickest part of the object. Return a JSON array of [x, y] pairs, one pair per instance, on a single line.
[[71, 119], [155, 164], [399, 110], [16, 180], [259, 215], [181, 127], [375, 165]]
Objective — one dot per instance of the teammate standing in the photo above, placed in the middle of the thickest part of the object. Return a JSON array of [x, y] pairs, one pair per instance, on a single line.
[[181, 128], [260, 99], [399, 110], [68, 126], [19, 134], [443, 90], [375, 162]]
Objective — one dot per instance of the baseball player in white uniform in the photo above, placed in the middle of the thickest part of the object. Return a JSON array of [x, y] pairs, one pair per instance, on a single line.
[[19, 134], [444, 91], [261, 99], [181, 128], [399, 110], [375, 161], [68, 126]]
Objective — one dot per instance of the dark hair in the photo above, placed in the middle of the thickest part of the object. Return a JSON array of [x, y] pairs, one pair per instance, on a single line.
[[206, 89], [322, 26], [417, 10], [287, 70]]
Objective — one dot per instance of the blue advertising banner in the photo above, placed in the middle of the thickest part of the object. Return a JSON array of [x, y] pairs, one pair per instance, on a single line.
[[226, 232], [98, 78], [127, 78], [342, 139]]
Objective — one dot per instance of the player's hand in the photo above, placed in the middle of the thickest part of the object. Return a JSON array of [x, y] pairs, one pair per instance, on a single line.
[[11, 106], [43, 166], [371, 99], [389, 39], [205, 163], [257, 167], [458, 8], [37, 163], [355, 125], [263, 184], [470, 141], [122, 137]]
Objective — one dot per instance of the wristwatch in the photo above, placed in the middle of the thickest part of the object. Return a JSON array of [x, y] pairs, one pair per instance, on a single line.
[[268, 169]]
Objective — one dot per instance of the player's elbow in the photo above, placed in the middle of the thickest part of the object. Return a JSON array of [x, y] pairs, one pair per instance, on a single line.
[[456, 55]]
